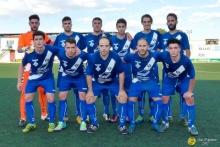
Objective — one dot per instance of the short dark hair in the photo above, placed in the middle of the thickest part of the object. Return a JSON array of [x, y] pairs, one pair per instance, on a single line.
[[39, 33], [173, 41], [66, 18], [121, 20], [148, 16], [97, 18], [34, 16], [172, 14], [104, 37], [71, 40]]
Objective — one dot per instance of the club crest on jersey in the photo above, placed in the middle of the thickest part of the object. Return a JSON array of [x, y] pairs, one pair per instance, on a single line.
[[35, 62], [116, 46], [91, 43], [62, 43], [165, 41], [64, 63], [98, 67], [137, 64]]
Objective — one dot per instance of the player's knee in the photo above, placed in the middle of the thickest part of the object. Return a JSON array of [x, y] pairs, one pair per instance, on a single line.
[[165, 99], [189, 101]]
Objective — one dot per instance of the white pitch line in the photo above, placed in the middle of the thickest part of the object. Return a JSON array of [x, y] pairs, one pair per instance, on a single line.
[[208, 72]]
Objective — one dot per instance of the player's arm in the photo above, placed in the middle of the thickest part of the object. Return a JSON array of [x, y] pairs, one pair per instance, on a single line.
[[188, 52], [122, 96], [189, 93], [21, 44], [48, 40], [20, 75]]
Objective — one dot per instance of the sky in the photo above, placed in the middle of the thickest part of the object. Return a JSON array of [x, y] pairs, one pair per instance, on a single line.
[[200, 19]]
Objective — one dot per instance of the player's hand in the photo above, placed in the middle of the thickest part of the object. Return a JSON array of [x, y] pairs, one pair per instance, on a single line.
[[90, 98], [122, 96], [187, 95], [28, 49], [19, 86], [129, 37], [134, 51]]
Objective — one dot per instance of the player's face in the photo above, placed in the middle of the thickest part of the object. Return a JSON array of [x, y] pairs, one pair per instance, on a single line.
[[70, 49], [174, 49], [146, 22], [67, 25], [142, 47], [97, 25], [104, 47], [34, 24], [121, 28], [171, 23], [38, 41]]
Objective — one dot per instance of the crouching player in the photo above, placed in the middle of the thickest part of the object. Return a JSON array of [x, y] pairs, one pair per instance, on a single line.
[[71, 61], [41, 62], [179, 76], [105, 72], [144, 79]]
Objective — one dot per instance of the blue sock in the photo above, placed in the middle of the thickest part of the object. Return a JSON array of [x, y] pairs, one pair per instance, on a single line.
[[157, 111], [131, 112], [191, 114], [30, 111], [114, 104], [106, 101], [62, 110], [91, 110], [77, 102], [169, 110], [83, 110], [52, 111], [122, 110], [141, 103], [165, 112], [151, 106], [182, 107]]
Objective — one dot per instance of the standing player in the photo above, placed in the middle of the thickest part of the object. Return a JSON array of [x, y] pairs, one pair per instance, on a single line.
[[91, 41], [185, 47], [121, 45], [24, 43], [105, 71], [41, 63], [142, 63], [179, 75], [73, 76], [153, 38], [60, 42]]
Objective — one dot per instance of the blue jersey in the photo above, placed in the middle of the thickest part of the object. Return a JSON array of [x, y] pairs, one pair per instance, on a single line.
[[104, 71], [41, 64], [142, 68], [153, 38], [182, 37], [179, 70], [61, 38], [91, 41], [120, 46], [72, 67]]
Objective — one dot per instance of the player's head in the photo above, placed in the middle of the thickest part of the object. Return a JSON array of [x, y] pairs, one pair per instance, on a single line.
[[97, 24], [104, 46], [34, 22], [121, 26], [146, 21], [142, 47], [172, 21], [67, 24], [173, 47], [70, 47], [38, 39]]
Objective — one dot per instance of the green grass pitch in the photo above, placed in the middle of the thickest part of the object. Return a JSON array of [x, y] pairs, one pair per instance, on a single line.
[[207, 100]]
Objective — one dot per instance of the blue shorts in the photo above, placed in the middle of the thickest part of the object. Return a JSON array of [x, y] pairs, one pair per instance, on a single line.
[[169, 85], [138, 87], [128, 75], [68, 82], [98, 88], [47, 84]]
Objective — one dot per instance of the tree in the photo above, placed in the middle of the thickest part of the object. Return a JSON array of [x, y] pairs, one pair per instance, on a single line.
[[162, 31]]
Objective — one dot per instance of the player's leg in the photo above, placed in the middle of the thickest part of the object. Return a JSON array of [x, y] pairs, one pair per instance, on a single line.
[[77, 103], [106, 102], [141, 103], [183, 120], [43, 103], [114, 108]]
